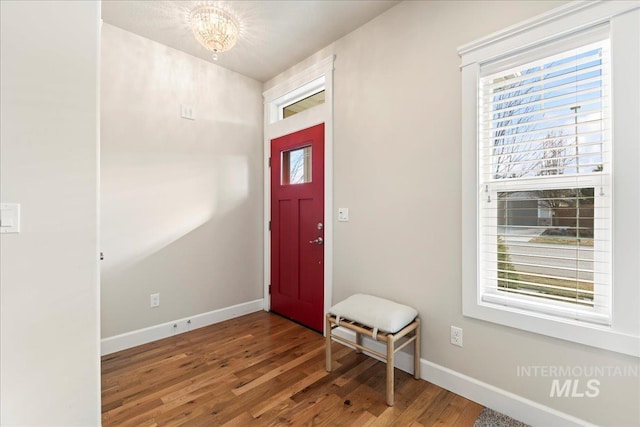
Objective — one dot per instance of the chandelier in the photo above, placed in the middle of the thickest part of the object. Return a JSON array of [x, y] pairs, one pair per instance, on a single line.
[[214, 28]]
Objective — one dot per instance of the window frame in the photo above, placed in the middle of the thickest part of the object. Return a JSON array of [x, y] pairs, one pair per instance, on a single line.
[[543, 305], [277, 106], [489, 289], [623, 333]]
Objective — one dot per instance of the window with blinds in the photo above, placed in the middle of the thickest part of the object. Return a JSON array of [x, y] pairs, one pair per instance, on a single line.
[[544, 173]]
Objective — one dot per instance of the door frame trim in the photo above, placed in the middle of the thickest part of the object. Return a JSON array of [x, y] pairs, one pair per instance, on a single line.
[[276, 128]]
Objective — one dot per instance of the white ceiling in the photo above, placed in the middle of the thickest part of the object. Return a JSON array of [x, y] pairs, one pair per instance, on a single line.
[[274, 35]]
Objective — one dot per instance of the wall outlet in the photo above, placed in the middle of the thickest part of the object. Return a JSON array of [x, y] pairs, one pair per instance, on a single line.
[[456, 336], [155, 300]]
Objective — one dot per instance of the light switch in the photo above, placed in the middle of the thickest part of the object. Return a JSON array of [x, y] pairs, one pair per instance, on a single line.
[[186, 112], [343, 214], [9, 218]]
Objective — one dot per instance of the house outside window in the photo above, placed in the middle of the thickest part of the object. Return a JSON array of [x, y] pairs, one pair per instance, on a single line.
[[550, 158], [544, 143]]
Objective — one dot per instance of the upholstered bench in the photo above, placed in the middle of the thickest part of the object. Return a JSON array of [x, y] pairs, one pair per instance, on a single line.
[[382, 320]]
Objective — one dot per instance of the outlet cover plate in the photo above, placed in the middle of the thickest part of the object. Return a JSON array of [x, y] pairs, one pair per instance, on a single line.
[[456, 336], [154, 300]]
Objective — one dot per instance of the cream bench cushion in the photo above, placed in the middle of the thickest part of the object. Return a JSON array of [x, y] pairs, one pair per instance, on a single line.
[[377, 313]]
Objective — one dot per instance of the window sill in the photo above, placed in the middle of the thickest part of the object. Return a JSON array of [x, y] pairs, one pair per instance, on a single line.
[[590, 334]]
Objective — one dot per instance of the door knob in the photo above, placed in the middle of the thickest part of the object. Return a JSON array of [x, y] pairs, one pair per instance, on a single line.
[[318, 241]]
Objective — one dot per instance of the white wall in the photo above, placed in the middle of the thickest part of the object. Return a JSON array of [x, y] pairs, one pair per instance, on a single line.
[[181, 199], [397, 167], [49, 350]]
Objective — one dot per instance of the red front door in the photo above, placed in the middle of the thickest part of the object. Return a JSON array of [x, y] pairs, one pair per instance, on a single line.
[[297, 226]]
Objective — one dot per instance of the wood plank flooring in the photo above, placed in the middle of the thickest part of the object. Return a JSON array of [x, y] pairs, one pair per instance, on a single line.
[[264, 370]]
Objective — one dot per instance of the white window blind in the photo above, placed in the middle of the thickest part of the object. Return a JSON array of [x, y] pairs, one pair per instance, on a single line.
[[544, 173]]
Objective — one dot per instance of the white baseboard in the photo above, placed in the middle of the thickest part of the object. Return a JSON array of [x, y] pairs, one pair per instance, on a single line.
[[513, 405], [500, 400], [153, 333]]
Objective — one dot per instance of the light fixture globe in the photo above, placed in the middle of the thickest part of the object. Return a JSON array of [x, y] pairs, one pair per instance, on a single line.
[[214, 28]]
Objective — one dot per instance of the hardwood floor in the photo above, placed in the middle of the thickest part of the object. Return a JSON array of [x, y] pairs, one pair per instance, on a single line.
[[264, 370]]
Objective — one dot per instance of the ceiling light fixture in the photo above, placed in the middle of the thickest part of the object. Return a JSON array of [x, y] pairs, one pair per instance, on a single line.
[[214, 28]]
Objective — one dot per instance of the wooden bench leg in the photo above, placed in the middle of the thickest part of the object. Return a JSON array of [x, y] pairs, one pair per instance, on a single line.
[[390, 364], [358, 341], [328, 342], [416, 352]]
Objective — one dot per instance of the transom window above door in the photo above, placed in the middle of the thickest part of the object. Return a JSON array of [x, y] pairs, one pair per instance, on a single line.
[[303, 104], [303, 98]]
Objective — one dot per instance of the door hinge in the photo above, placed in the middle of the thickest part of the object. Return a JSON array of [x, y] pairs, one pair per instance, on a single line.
[[269, 225], [269, 289], [269, 161]]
